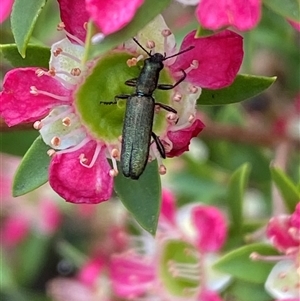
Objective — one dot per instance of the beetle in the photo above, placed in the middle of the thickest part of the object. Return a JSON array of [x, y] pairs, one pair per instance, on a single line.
[[139, 114]]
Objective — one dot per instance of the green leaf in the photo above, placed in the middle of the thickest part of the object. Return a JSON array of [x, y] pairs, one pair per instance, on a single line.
[[23, 17], [33, 170], [144, 15], [142, 197], [245, 291], [36, 56], [289, 9], [286, 187], [238, 263], [244, 86], [235, 197]]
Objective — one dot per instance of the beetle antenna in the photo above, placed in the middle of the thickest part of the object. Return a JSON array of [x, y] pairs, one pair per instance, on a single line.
[[180, 52], [149, 53]]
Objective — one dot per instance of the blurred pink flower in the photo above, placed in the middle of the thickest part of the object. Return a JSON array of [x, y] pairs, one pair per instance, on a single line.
[[5, 9]]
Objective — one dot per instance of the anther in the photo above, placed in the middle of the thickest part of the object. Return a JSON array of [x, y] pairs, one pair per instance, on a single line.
[[177, 97], [52, 72], [157, 109], [131, 62], [166, 32], [172, 117], [57, 51], [40, 72], [113, 172], [194, 64], [115, 153], [76, 71], [82, 158], [85, 25], [33, 90], [150, 44], [191, 118], [66, 121], [60, 26], [55, 141], [162, 169], [193, 89], [51, 152], [37, 125]]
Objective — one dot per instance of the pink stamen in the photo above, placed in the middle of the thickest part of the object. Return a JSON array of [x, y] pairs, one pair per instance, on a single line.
[[61, 27], [95, 156], [177, 97], [35, 91], [150, 44], [55, 141], [189, 271], [162, 170], [76, 71], [51, 152], [37, 125], [76, 147], [66, 121], [59, 51]]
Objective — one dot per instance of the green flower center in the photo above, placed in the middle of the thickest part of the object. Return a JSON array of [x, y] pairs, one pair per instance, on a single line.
[[95, 97]]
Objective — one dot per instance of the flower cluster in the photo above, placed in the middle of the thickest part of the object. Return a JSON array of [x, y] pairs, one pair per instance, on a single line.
[[65, 103]]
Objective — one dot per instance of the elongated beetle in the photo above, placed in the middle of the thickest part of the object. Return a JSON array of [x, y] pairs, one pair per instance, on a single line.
[[139, 114]]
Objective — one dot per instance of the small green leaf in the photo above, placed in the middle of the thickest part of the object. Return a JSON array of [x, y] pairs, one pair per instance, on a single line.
[[287, 188], [244, 86], [33, 170], [238, 263], [23, 17], [289, 9], [235, 197], [144, 15], [245, 291], [142, 197], [36, 56]]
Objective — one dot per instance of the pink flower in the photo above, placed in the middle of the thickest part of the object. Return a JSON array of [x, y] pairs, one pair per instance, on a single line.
[[217, 14], [284, 233], [295, 24], [109, 16], [181, 251], [5, 10], [66, 103]]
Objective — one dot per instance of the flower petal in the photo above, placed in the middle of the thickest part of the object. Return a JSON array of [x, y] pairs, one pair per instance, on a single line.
[[5, 10], [210, 225], [111, 16], [168, 206], [181, 139], [244, 15], [77, 183], [131, 274], [18, 105], [74, 15], [219, 59]]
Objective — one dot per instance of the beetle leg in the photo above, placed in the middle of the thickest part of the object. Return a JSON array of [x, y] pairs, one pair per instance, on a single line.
[[131, 82], [159, 145], [169, 86], [167, 108]]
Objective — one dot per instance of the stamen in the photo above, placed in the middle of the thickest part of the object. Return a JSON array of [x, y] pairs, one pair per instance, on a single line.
[[150, 44], [55, 141], [162, 169], [40, 72], [172, 118], [256, 256], [115, 153], [166, 32], [192, 89], [61, 27], [66, 121], [131, 62], [76, 147], [193, 65], [51, 152], [76, 71], [37, 125], [177, 97], [189, 271], [35, 91], [59, 51], [95, 156], [82, 158]]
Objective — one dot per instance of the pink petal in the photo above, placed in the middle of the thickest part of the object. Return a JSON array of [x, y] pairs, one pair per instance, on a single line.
[[14, 230], [77, 183], [295, 24], [5, 9], [90, 272], [131, 275], [168, 206], [18, 105], [243, 15], [74, 15], [49, 216], [219, 56], [181, 139], [278, 232], [295, 217], [111, 16], [211, 228], [207, 295]]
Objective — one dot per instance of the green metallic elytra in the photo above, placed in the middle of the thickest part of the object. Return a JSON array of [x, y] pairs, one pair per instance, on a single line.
[[136, 135]]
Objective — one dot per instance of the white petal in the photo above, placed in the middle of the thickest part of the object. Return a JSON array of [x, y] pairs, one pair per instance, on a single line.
[[283, 281]]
